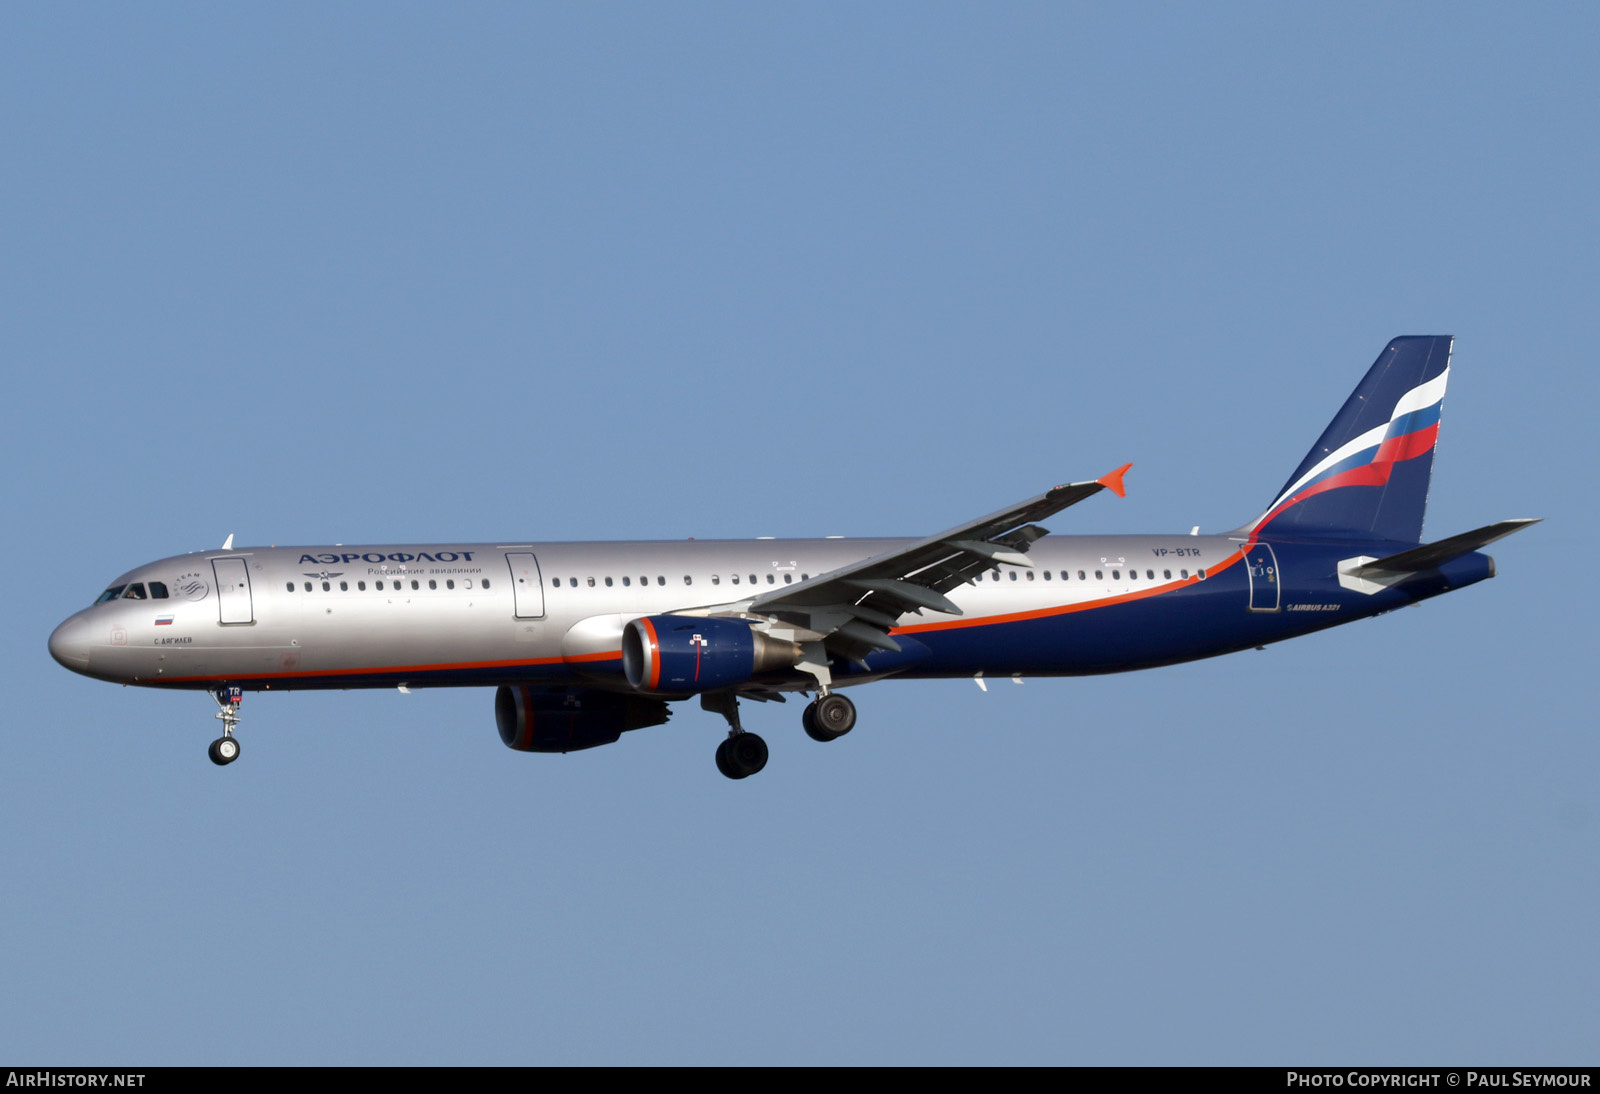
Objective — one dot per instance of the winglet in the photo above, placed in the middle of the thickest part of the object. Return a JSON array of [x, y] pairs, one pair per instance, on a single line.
[[1113, 481]]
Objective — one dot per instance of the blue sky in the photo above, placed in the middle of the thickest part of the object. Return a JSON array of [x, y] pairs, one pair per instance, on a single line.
[[355, 273]]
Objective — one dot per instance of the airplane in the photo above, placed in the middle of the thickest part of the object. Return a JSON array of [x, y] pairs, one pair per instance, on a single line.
[[586, 641]]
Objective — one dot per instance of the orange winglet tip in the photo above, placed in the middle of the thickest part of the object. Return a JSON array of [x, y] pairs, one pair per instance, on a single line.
[[1113, 481]]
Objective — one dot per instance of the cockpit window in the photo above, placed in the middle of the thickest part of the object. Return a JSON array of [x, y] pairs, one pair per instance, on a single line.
[[158, 590], [111, 593], [135, 591]]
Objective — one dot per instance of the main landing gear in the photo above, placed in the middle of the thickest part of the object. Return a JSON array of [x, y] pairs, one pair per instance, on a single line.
[[829, 717], [225, 749], [741, 754]]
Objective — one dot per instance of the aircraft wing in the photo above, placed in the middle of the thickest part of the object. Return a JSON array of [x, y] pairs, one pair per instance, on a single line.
[[852, 609]]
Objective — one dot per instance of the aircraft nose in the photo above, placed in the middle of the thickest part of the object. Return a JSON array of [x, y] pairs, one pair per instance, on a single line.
[[69, 644]]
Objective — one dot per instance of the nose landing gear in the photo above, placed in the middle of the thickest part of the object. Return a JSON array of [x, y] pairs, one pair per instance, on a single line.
[[225, 749]]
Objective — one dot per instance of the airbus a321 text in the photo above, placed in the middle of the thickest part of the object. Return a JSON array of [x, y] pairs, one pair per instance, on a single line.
[[585, 641]]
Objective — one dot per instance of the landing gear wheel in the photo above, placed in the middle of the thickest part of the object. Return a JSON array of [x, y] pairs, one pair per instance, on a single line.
[[829, 718], [722, 762], [742, 755], [808, 719], [223, 751]]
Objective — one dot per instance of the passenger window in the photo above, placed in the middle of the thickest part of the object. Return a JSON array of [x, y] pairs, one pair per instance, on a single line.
[[466, 583], [687, 580], [1047, 575], [432, 584], [608, 583], [1099, 575], [1201, 574], [450, 583], [1116, 575], [414, 584], [1166, 575], [291, 586], [805, 577], [378, 585], [771, 580], [1030, 575], [158, 591], [716, 580], [1184, 574], [1013, 575], [1151, 574], [555, 582], [752, 579], [485, 583], [626, 581], [591, 583], [788, 579], [362, 585], [327, 588], [308, 586], [734, 578], [1081, 576], [1133, 575], [572, 581], [661, 579]]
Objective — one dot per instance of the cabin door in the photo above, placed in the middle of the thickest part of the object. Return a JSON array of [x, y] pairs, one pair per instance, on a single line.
[[233, 591]]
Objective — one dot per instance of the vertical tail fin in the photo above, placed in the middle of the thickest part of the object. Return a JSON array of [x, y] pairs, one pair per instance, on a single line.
[[1368, 473]]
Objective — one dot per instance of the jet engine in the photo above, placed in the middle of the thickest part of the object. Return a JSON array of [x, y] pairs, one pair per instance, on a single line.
[[535, 719], [683, 655]]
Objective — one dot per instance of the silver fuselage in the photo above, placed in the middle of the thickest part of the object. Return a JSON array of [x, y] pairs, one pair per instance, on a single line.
[[480, 614]]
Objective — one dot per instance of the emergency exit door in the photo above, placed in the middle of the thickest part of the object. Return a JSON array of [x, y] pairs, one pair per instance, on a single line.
[[527, 586]]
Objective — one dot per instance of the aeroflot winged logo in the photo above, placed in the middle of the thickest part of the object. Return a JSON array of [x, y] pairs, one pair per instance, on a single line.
[[330, 559]]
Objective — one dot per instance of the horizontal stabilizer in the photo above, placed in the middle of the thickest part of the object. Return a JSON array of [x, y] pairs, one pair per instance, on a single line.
[[1430, 555]]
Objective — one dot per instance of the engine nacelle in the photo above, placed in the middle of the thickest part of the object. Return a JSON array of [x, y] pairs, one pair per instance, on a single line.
[[545, 720], [684, 654]]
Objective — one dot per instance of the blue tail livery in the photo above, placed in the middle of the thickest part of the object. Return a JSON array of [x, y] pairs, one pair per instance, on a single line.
[[1367, 475], [584, 642]]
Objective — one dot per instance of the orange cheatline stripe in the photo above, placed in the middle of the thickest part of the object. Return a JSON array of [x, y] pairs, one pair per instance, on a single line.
[[1067, 609], [655, 680]]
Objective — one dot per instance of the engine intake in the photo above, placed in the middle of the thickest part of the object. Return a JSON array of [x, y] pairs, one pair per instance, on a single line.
[[683, 655]]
